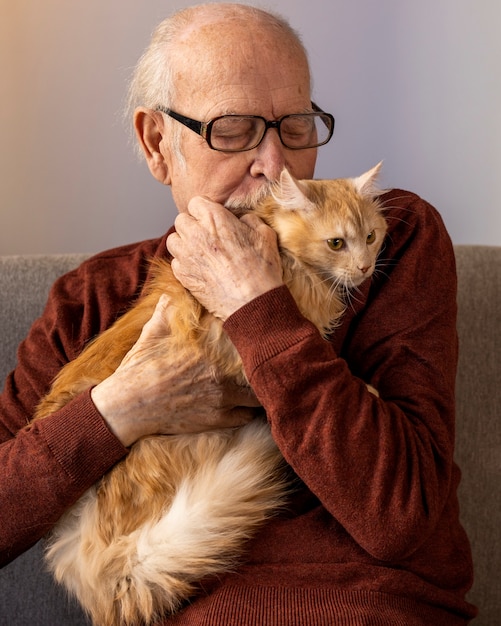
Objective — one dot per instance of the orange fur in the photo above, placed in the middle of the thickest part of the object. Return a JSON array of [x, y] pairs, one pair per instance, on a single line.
[[180, 508]]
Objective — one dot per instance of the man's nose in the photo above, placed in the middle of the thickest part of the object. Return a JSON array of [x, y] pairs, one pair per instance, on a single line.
[[269, 159]]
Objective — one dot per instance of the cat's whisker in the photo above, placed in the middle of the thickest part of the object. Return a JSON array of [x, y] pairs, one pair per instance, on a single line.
[[352, 298], [378, 273], [385, 203], [349, 300], [382, 261], [394, 218], [397, 219], [383, 248], [385, 263]]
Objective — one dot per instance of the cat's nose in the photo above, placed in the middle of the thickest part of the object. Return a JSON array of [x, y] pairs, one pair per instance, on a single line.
[[364, 269]]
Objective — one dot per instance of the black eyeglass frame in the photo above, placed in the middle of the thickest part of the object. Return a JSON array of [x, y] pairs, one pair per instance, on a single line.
[[204, 129]]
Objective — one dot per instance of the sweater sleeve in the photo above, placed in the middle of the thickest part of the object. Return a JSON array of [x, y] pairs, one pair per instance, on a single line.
[[47, 467], [381, 466]]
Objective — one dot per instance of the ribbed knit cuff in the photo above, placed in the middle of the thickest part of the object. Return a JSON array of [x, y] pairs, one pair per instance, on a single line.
[[80, 441], [267, 326]]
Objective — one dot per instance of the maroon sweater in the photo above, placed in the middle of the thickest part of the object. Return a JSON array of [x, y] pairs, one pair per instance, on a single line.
[[372, 535]]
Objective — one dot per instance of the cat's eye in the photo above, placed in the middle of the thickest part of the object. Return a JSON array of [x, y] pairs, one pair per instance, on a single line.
[[371, 237], [335, 244]]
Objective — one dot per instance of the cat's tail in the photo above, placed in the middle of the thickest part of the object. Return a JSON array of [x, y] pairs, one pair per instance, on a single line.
[[211, 516], [153, 570]]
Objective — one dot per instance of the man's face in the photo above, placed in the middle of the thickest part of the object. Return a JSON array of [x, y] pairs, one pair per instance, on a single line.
[[249, 73]]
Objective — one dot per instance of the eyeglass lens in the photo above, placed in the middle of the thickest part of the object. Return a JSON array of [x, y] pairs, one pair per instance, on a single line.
[[237, 133]]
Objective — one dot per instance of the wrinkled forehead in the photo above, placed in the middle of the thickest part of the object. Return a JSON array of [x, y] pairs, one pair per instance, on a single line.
[[212, 52]]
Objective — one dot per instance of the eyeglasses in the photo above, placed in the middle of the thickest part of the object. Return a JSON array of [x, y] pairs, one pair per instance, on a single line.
[[238, 133]]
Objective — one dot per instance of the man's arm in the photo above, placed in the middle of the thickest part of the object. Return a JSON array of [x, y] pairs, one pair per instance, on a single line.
[[381, 466], [150, 394], [46, 466]]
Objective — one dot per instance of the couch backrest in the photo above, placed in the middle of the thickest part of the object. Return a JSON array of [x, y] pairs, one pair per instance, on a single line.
[[24, 284], [28, 595], [478, 419]]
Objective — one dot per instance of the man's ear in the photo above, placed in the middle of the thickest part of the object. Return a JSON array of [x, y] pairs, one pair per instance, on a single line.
[[150, 127]]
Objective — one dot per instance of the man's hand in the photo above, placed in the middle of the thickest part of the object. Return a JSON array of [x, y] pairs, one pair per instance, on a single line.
[[225, 262], [149, 394]]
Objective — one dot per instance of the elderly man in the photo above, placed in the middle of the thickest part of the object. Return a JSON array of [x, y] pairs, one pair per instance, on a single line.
[[372, 535]]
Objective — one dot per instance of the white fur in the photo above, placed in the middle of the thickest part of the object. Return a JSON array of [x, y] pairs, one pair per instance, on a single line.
[[214, 510]]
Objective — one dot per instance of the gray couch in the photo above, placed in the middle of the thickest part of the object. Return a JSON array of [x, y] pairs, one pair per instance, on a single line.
[[29, 598]]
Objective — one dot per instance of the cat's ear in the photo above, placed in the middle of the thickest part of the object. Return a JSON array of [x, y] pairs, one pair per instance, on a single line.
[[288, 192], [366, 184]]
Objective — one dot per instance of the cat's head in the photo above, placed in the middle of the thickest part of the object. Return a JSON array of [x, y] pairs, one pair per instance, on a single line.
[[335, 227]]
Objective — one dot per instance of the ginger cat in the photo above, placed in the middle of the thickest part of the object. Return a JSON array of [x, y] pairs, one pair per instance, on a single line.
[[132, 548]]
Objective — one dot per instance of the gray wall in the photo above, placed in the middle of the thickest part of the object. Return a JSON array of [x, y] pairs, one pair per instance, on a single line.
[[414, 83]]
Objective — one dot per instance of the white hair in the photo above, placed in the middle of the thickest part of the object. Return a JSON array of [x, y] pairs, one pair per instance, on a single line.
[[152, 84]]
